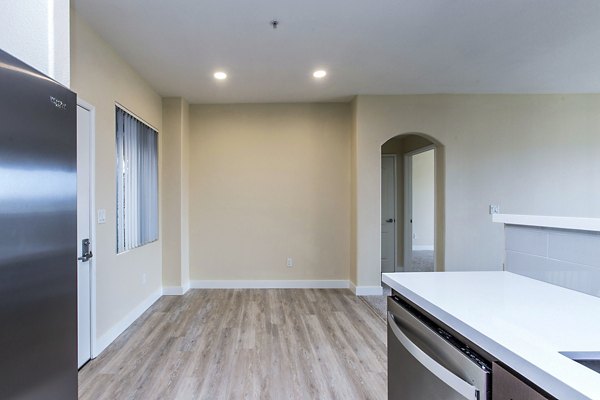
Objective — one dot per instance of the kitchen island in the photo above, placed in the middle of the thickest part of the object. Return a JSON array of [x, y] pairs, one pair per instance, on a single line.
[[530, 326]]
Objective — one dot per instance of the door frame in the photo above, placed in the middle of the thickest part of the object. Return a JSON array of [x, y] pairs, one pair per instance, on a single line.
[[408, 231], [92, 110], [394, 157]]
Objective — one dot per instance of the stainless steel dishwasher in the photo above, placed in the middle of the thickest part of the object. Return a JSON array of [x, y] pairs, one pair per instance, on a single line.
[[427, 362]]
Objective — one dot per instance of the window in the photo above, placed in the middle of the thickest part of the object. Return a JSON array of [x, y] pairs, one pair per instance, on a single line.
[[137, 182]]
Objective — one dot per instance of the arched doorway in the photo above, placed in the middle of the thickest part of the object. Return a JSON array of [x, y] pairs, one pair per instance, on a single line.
[[411, 204]]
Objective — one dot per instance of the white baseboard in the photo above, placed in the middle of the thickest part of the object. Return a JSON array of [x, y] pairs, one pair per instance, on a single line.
[[269, 284], [174, 290], [352, 286], [423, 247], [366, 290], [105, 340]]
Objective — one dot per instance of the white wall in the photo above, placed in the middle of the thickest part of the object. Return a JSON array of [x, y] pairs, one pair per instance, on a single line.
[[423, 185], [37, 32], [531, 154]]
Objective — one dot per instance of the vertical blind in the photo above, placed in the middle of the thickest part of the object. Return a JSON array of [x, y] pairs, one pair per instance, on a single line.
[[137, 182]]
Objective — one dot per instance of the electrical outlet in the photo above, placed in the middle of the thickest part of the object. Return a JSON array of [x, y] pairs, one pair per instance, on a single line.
[[494, 209], [144, 280], [290, 262]]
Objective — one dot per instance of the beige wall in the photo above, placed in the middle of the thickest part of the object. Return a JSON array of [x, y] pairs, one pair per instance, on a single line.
[[531, 154], [101, 78], [268, 181], [353, 195], [175, 178], [185, 195]]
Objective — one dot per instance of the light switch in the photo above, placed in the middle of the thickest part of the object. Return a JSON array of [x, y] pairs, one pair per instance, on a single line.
[[101, 216]]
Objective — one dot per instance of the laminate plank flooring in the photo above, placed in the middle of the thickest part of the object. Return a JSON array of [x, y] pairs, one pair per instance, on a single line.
[[246, 344]]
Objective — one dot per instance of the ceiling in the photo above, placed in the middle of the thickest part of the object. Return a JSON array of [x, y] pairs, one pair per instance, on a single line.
[[367, 46]]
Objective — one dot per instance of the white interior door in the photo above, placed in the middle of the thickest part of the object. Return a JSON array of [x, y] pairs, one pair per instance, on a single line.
[[84, 130], [388, 213]]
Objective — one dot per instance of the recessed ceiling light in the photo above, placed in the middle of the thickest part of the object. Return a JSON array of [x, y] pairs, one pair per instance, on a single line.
[[220, 75], [320, 73]]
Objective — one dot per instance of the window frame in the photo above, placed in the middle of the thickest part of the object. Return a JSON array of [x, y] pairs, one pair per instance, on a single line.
[[151, 203]]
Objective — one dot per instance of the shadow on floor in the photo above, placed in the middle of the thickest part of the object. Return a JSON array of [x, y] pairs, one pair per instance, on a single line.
[[422, 261], [379, 303]]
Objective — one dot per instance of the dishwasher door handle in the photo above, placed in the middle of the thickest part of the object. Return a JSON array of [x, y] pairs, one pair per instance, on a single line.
[[465, 389]]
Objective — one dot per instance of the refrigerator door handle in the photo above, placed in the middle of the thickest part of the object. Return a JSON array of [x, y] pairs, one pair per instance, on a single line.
[[460, 386]]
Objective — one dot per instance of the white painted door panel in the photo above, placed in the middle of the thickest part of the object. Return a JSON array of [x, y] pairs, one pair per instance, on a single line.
[[83, 232]]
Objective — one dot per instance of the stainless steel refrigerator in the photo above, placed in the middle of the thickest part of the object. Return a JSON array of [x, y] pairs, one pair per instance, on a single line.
[[38, 235]]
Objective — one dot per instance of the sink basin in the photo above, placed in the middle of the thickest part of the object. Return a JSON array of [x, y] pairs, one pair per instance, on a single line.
[[589, 359]]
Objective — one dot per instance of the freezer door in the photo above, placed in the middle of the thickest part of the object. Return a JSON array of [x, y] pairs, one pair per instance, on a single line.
[[38, 228]]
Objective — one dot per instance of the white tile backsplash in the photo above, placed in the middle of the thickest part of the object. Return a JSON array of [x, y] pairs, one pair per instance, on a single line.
[[569, 259], [574, 276], [571, 276], [527, 240], [576, 247], [525, 264]]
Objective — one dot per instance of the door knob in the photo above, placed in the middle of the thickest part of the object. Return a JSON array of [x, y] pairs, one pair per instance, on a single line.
[[389, 220], [86, 257], [86, 253]]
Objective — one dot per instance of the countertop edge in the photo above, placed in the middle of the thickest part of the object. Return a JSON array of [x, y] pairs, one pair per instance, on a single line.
[[539, 377], [571, 223]]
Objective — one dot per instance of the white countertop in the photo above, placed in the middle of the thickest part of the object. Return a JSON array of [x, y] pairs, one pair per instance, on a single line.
[[582, 224], [523, 322]]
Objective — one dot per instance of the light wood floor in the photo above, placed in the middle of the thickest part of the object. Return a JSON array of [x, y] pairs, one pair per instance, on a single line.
[[246, 344]]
